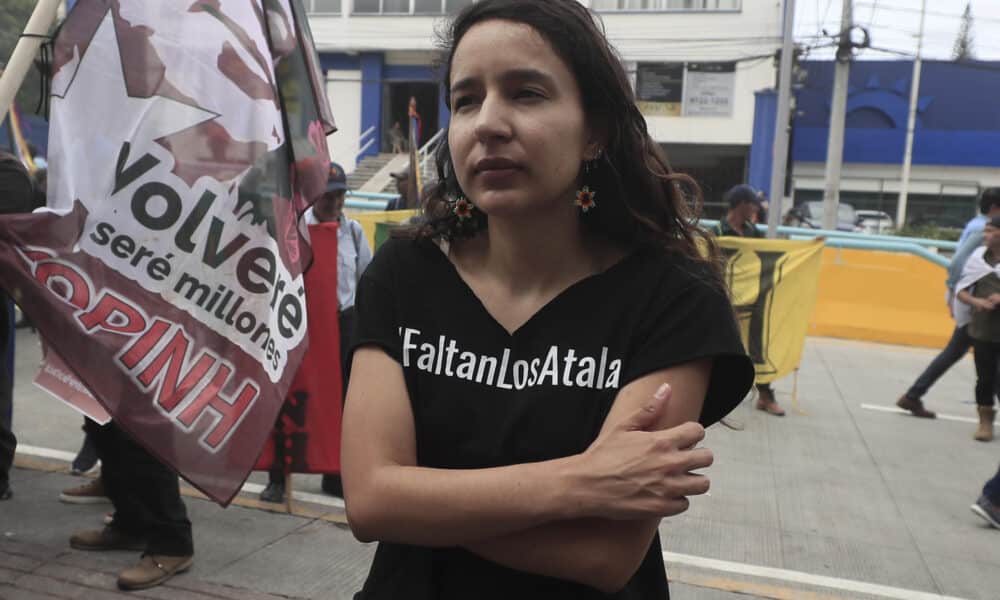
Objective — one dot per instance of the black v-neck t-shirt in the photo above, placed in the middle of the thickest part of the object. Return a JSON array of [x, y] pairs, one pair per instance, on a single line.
[[483, 397]]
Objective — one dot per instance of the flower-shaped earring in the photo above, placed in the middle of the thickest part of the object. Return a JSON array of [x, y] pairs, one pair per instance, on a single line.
[[585, 199], [462, 208]]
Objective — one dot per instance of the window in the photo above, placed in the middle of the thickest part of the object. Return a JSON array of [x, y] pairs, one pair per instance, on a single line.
[[407, 7], [367, 6], [322, 6], [614, 5], [427, 7], [453, 6], [396, 6]]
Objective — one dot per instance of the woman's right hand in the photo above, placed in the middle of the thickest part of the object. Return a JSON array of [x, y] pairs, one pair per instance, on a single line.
[[635, 472]]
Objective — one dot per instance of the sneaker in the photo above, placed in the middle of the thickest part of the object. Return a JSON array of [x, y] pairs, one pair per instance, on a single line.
[[987, 510], [91, 492], [5, 492], [152, 570], [86, 458], [274, 492], [915, 406], [108, 538]]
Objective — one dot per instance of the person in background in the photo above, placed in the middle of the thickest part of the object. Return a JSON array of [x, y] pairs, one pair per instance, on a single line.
[[353, 256], [977, 296], [15, 197], [397, 138], [149, 514], [976, 223], [960, 343], [988, 504], [402, 180], [744, 207]]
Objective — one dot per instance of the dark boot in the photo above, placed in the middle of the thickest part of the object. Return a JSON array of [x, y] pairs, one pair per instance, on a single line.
[[332, 485], [916, 407], [274, 492]]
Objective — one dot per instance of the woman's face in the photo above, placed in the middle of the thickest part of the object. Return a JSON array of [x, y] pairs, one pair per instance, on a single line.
[[518, 131]]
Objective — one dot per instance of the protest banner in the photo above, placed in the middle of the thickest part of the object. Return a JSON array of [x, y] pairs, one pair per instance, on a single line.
[[773, 287], [306, 436], [186, 139]]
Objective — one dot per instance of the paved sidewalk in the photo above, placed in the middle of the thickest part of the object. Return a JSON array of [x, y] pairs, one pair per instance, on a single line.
[[835, 500]]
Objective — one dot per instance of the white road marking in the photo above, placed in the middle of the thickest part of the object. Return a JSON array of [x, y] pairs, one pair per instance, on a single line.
[[847, 585], [668, 557], [46, 453], [894, 409], [248, 488]]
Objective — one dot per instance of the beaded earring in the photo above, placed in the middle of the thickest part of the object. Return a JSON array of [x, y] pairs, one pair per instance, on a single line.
[[585, 197], [462, 208]]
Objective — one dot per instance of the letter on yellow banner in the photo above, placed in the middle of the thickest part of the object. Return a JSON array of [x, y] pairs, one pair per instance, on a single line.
[[773, 286]]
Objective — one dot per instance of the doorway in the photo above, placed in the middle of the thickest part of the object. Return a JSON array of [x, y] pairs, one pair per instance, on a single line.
[[395, 108]]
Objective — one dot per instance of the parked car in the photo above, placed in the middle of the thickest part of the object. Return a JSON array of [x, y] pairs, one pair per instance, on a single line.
[[874, 221], [810, 214]]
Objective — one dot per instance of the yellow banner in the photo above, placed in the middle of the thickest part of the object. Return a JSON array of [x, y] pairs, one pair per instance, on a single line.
[[370, 221], [773, 285]]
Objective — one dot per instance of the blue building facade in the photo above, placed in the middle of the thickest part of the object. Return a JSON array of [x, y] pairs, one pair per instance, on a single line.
[[956, 147]]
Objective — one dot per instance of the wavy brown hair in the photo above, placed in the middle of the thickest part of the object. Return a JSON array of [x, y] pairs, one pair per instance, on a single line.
[[642, 200]]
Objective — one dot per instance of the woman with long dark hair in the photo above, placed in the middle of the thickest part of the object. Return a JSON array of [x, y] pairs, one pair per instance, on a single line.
[[533, 359]]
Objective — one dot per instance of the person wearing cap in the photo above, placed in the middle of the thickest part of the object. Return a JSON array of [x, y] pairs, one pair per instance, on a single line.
[[353, 256], [404, 202], [744, 204]]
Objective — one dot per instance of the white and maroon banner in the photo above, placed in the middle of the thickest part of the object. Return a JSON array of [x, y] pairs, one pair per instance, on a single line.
[[187, 136]]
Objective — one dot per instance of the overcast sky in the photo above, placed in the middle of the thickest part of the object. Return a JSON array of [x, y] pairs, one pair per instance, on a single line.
[[894, 24]]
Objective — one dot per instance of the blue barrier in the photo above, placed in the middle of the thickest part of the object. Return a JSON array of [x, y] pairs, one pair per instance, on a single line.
[[371, 195], [809, 233], [369, 201], [369, 205], [902, 247]]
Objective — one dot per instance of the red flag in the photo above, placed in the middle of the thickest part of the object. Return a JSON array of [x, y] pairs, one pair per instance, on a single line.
[[306, 437], [186, 139]]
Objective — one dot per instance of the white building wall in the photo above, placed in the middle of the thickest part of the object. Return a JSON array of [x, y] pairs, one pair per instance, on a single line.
[[676, 36], [749, 36], [343, 88]]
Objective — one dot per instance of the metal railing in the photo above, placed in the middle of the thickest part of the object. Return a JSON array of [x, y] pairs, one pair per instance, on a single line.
[[924, 248], [363, 146], [425, 157], [368, 201]]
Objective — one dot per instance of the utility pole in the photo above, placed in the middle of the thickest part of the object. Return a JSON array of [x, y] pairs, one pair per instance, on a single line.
[[24, 52], [911, 123], [838, 114], [779, 154]]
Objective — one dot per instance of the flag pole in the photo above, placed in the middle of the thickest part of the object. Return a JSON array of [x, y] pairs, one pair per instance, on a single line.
[[24, 52]]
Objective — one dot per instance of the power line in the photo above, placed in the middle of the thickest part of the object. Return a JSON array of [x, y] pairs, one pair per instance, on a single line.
[[930, 12], [871, 17], [826, 13], [968, 64]]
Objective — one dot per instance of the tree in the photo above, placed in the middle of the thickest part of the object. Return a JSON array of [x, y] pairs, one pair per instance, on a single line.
[[964, 45], [13, 18]]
